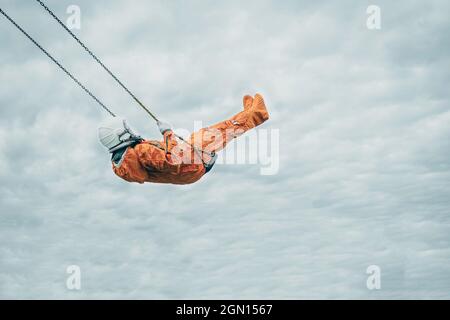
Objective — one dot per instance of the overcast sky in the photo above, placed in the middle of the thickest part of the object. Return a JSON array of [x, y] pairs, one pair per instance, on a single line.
[[363, 118]]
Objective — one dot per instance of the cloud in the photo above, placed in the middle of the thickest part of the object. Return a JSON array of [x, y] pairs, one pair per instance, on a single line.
[[364, 165]]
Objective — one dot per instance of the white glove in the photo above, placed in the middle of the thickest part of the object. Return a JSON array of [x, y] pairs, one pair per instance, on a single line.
[[163, 127]]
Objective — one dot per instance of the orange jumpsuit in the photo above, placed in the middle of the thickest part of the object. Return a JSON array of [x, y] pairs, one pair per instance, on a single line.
[[174, 161]]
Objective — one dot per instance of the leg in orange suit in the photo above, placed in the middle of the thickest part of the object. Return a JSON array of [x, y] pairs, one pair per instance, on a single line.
[[214, 138]]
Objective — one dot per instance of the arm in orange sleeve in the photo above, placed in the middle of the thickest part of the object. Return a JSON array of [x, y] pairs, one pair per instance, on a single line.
[[169, 141]]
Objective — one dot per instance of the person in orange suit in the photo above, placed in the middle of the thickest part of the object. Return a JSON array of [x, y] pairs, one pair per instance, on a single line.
[[175, 160]]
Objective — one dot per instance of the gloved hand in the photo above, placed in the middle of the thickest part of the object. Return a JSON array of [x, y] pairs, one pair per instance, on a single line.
[[163, 127]]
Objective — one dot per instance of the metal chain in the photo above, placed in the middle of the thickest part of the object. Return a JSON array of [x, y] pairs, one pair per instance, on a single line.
[[97, 60], [58, 64], [112, 74]]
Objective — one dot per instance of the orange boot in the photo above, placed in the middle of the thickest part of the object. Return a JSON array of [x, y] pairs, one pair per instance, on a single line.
[[254, 114]]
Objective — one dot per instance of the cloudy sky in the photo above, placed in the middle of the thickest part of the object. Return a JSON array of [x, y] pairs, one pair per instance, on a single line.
[[364, 154]]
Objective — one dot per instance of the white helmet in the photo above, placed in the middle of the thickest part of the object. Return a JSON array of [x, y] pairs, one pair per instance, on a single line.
[[115, 134]]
